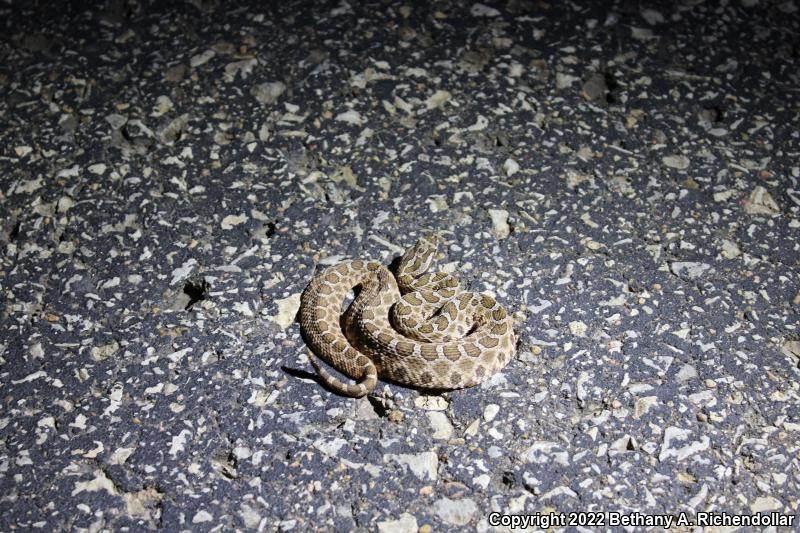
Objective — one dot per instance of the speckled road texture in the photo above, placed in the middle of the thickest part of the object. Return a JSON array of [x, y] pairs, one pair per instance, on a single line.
[[625, 179]]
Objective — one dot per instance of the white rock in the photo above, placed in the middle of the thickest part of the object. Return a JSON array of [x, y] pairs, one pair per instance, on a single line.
[[482, 480], [243, 68], [202, 58], [405, 524], [330, 447], [287, 310], [28, 186], [699, 498], [642, 34], [163, 105], [442, 428], [673, 433], [490, 411], [544, 452], [689, 269], [480, 124], [580, 386], [116, 121], [578, 328], [723, 196], [761, 203], [480, 10], [431, 403], [643, 405], [652, 16], [791, 347], [472, 429], [456, 512], [765, 504], [183, 271], [686, 373], [705, 398], [565, 80], [37, 352], [351, 117], [249, 516], [230, 221], [99, 483], [268, 93], [287, 525], [730, 250], [202, 516], [97, 168], [178, 443], [500, 227], [623, 444], [510, 167], [424, 465], [70, 172], [243, 308], [105, 351], [680, 162], [437, 99]]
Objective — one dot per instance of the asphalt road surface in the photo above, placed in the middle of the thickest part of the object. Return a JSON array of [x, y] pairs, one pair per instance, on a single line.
[[624, 178]]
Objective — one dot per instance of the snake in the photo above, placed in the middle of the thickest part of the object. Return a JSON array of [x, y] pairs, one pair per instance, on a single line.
[[412, 327]]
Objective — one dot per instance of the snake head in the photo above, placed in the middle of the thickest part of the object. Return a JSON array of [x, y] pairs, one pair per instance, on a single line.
[[419, 257]]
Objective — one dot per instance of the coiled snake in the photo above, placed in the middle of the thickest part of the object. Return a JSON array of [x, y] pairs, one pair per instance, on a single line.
[[434, 336]]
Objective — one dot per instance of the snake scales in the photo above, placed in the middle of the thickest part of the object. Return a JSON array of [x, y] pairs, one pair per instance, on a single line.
[[434, 336]]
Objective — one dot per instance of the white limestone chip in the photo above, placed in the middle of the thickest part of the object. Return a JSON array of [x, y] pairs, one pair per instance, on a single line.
[[456, 512], [202, 58], [578, 328], [351, 117], [652, 16], [679, 162], [28, 186], [730, 250], [424, 465], [105, 351], [269, 92], [500, 227], [672, 434], [99, 483], [690, 269], [431, 403], [183, 271], [490, 411], [405, 524], [565, 80], [510, 167], [287, 310], [230, 221], [437, 99], [442, 428], [761, 203], [98, 169], [764, 504], [643, 405], [330, 447], [249, 516], [481, 10], [178, 443], [202, 516]]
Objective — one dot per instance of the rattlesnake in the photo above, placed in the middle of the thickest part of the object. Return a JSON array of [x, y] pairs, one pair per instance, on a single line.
[[433, 337]]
